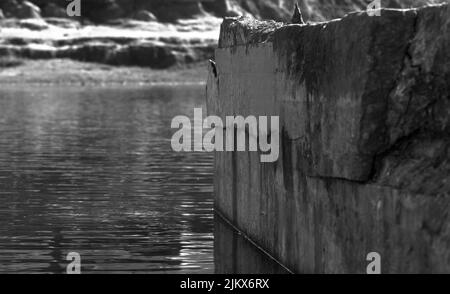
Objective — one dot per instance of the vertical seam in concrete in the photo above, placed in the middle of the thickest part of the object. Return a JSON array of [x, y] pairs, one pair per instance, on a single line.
[[234, 190]]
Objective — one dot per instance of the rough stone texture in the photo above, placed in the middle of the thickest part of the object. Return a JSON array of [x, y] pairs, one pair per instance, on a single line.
[[145, 15], [142, 53], [313, 10], [364, 157], [245, 31], [28, 10], [322, 10], [129, 42], [417, 125], [53, 10], [179, 13], [20, 9]]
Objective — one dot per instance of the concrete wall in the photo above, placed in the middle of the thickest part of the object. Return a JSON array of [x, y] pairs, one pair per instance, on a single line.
[[234, 254], [364, 159]]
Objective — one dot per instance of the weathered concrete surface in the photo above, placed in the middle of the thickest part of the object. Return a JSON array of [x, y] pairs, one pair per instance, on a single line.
[[364, 164]]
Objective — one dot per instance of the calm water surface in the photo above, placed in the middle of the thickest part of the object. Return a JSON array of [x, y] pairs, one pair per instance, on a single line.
[[91, 170]]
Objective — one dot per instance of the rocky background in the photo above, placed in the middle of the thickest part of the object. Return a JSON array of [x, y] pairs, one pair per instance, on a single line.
[[172, 10], [150, 33]]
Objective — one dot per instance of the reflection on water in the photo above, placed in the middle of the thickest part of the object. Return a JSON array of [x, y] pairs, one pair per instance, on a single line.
[[91, 170]]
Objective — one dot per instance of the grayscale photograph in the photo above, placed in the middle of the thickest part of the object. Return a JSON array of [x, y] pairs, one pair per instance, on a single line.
[[214, 138]]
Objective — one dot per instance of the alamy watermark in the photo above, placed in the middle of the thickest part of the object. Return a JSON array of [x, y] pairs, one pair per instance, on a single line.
[[374, 266], [74, 267], [374, 8], [263, 135], [74, 8]]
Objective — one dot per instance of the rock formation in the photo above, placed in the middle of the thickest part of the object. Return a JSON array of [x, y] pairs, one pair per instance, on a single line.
[[297, 18], [53, 10], [145, 15], [146, 44], [20, 9], [194, 16], [364, 167], [172, 10]]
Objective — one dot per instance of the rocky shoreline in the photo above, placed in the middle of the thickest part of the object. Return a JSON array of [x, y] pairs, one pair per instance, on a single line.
[[154, 34], [147, 44]]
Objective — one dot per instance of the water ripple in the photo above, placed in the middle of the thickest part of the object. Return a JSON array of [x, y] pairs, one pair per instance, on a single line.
[[91, 170]]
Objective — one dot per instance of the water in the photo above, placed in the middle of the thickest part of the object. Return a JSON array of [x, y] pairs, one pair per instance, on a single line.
[[91, 170]]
